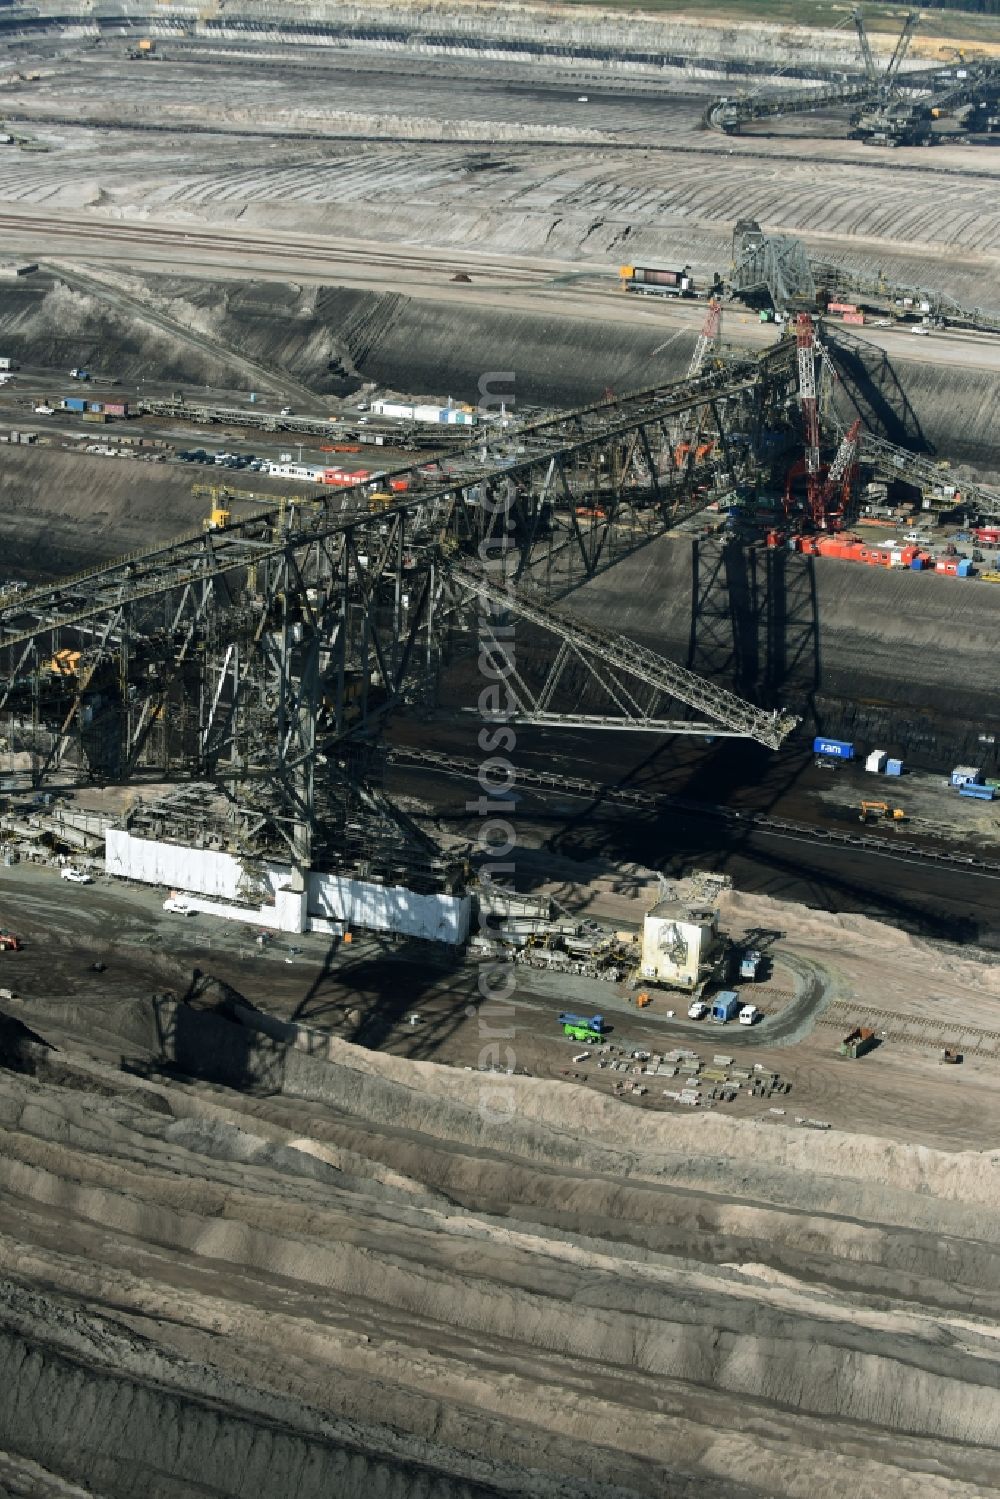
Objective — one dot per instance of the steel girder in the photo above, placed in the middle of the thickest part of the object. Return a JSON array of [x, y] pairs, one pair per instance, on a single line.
[[638, 680], [263, 657], [923, 472]]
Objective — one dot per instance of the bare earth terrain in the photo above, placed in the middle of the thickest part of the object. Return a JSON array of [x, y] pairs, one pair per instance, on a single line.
[[262, 1232]]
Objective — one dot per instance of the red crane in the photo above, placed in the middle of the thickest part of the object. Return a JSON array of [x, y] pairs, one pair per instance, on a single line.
[[805, 339], [828, 490]]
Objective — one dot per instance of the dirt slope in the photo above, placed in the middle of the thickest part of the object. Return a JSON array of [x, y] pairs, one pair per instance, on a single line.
[[392, 1277]]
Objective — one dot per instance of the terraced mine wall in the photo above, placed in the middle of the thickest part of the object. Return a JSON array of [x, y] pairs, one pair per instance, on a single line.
[[155, 1424], [483, 31], [334, 338], [271, 1252], [61, 512]]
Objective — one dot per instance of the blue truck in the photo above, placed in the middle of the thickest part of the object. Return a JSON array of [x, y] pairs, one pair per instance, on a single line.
[[725, 1006], [981, 793], [837, 749]]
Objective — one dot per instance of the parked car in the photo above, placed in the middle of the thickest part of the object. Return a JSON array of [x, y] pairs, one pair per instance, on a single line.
[[77, 876], [697, 1010]]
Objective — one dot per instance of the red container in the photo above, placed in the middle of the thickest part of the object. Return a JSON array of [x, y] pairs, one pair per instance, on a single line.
[[854, 317], [841, 307], [399, 486]]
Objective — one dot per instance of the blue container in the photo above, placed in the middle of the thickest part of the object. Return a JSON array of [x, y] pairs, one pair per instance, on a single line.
[[980, 793], [75, 403], [894, 767], [917, 564], [964, 568], [837, 749], [95, 405], [725, 1006]]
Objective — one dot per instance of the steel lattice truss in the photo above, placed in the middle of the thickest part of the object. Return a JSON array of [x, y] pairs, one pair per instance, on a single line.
[[779, 267], [637, 680], [924, 472], [263, 657]]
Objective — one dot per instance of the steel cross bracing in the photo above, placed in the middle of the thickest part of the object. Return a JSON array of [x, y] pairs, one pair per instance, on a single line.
[[253, 656], [620, 666], [924, 473], [775, 268]]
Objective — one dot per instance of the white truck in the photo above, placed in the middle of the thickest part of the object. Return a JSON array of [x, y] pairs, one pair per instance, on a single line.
[[178, 906]]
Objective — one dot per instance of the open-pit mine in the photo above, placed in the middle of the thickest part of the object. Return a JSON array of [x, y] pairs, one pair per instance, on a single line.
[[499, 848]]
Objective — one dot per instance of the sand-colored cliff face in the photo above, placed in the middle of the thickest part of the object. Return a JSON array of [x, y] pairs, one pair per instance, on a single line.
[[354, 1270]]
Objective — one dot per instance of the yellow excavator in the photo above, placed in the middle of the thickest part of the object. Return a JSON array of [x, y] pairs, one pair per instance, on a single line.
[[876, 811]]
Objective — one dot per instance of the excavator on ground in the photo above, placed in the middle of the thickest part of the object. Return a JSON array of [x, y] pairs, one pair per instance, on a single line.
[[879, 811]]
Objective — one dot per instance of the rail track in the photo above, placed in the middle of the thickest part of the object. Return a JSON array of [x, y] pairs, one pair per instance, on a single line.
[[757, 822], [912, 1030]]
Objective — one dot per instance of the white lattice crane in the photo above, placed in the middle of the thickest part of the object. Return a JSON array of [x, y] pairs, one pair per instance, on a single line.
[[708, 336]]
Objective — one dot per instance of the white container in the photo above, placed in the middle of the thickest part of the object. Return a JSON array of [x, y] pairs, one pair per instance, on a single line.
[[876, 761], [392, 408]]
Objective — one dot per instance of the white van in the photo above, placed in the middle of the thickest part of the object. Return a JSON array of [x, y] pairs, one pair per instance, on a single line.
[[748, 1014]]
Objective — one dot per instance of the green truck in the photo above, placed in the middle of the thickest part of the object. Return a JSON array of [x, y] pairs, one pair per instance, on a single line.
[[582, 1027]]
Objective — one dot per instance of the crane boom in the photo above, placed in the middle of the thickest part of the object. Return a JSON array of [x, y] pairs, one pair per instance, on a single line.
[[847, 453], [866, 50], [706, 338], [902, 45], [806, 352]]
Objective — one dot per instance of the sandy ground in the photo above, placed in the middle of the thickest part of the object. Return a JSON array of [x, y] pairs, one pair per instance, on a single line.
[[399, 1265]]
